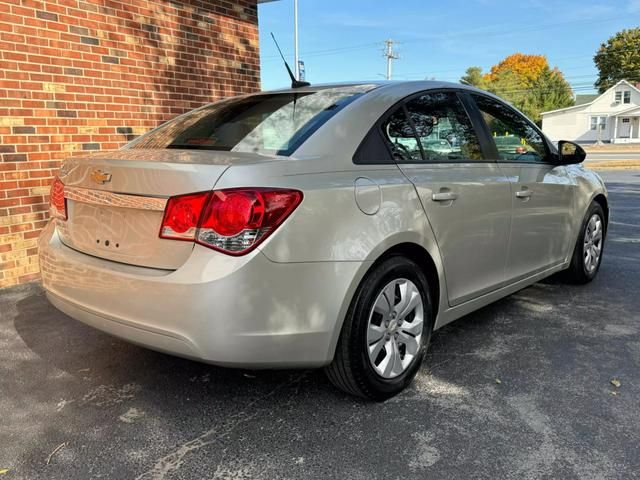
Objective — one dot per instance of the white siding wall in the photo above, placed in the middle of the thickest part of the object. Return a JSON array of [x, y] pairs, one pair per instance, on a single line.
[[566, 125]]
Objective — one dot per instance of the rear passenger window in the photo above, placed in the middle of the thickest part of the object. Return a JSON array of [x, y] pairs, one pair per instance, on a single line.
[[431, 128], [401, 138], [514, 136], [443, 128]]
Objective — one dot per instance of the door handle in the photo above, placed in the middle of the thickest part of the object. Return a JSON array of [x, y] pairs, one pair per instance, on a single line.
[[444, 196], [526, 193]]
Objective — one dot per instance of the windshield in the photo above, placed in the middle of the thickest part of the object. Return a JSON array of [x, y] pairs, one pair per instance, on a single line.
[[276, 123]]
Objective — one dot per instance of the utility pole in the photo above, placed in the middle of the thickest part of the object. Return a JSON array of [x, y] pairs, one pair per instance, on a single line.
[[295, 39], [391, 55]]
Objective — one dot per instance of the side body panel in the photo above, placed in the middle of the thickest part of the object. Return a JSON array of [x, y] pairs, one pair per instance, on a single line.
[[588, 185], [472, 231], [542, 219]]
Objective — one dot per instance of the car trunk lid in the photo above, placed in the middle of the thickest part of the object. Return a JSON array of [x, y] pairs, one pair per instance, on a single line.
[[116, 201]]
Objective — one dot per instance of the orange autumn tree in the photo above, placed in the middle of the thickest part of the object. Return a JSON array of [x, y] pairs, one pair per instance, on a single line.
[[526, 81], [527, 67]]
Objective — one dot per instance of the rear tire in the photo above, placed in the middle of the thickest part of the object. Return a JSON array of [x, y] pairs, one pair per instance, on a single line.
[[378, 331], [587, 253]]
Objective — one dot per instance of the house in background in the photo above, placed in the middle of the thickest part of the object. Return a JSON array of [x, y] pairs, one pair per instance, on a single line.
[[612, 117]]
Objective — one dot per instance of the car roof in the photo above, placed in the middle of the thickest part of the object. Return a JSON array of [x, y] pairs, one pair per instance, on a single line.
[[418, 85], [344, 131]]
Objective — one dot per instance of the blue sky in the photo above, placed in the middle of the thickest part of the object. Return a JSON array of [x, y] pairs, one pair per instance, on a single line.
[[343, 40]]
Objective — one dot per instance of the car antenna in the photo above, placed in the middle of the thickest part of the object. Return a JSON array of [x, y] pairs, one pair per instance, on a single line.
[[294, 82]]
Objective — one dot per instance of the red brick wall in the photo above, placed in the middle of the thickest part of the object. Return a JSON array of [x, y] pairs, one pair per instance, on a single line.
[[87, 75]]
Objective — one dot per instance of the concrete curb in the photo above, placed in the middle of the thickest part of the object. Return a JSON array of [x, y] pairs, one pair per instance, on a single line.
[[616, 152], [613, 164]]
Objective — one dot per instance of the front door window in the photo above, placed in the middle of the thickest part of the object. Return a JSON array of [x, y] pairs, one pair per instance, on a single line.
[[515, 138]]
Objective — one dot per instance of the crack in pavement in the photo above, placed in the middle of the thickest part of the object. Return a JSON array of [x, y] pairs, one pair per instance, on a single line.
[[173, 461]]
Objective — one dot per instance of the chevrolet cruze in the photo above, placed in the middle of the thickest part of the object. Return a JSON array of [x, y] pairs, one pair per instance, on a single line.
[[332, 226]]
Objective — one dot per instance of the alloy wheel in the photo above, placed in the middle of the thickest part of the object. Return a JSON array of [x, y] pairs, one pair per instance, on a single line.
[[395, 327], [593, 243]]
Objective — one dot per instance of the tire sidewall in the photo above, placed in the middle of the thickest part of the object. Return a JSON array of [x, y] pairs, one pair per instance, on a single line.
[[578, 271], [393, 268], [594, 208]]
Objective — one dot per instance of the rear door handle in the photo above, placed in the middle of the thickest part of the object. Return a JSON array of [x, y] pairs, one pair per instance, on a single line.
[[444, 196], [524, 193]]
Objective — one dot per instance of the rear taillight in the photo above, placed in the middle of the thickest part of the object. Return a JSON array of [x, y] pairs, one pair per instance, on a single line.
[[57, 202], [181, 216], [233, 221]]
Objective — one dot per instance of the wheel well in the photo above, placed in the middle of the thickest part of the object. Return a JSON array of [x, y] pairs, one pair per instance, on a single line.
[[602, 201], [419, 255]]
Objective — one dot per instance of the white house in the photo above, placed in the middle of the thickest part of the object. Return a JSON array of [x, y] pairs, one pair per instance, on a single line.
[[613, 116]]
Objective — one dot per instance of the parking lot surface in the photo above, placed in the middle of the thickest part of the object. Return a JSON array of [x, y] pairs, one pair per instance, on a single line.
[[520, 389]]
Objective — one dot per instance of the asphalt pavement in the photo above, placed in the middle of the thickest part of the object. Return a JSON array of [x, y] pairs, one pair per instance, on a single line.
[[520, 389]]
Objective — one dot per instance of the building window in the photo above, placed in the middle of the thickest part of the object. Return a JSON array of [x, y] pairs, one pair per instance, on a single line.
[[598, 122], [618, 97], [627, 96], [626, 120]]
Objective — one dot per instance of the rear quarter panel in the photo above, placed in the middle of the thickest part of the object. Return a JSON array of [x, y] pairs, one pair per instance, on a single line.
[[328, 226]]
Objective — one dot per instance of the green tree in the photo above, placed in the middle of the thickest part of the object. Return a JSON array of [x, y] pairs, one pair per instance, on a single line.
[[549, 91], [474, 77], [618, 59], [509, 85]]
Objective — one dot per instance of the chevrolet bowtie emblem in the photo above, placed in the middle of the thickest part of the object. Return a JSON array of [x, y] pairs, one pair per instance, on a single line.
[[100, 177]]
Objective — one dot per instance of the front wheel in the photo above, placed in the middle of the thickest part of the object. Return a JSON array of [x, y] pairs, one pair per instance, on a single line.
[[587, 254], [386, 332]]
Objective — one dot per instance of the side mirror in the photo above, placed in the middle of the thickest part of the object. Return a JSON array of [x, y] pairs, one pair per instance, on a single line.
[[570, 153]]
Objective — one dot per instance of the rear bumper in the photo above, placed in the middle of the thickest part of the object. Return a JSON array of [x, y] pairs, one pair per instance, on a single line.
[[233, 311]]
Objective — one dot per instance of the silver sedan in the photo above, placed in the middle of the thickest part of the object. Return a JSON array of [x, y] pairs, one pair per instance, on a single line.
[[332, 226]]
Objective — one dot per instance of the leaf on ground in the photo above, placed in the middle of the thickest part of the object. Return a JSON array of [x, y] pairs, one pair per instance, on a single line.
[[4, 471], [59, 447], [498, 381], [616, 383], [613, 393]]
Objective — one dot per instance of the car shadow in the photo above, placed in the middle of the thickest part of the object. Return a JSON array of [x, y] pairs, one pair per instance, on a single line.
[[89, 357], [76, 349]]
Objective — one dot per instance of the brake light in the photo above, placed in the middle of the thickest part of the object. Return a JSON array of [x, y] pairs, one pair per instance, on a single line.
[[233, 221], [57, 202], [181, 216]]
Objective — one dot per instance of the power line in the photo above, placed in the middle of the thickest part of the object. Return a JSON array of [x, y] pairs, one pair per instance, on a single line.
[[328, 51], [567, 69], [494, 30]]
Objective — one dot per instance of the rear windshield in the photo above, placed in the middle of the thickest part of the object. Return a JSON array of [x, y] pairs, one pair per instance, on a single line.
[[276, 123]]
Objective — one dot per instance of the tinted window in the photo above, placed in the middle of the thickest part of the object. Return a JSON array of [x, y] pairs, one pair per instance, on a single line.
[[514, 136], [437, 129], [443, 128], [401, 138], [271, 123]]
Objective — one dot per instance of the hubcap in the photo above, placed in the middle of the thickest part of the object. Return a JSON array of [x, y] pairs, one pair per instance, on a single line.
[[394, 331], [592, 243]]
